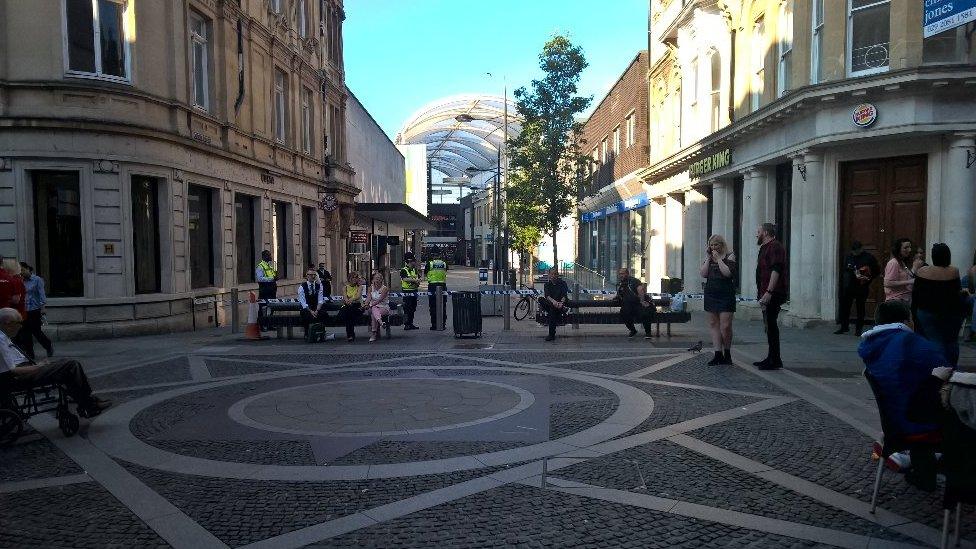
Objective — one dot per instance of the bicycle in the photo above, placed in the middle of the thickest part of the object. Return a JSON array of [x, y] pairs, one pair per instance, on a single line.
[[525, 304]]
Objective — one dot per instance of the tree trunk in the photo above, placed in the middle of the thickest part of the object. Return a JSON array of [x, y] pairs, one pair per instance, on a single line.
[[555, 253]]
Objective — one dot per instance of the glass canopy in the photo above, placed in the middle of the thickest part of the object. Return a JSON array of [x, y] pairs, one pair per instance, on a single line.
[[461, 132]]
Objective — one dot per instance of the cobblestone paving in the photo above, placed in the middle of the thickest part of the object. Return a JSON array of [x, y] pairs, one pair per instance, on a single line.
[[543, 358], [264, 452], [119, 397], [802, 440], [566, 418], [34, 457], [227, 368], [177, 369], [671, 471], [529, 517], [676, 404], [322, 358], [77, 516], [244, 511], [697, 372], [393, 451]]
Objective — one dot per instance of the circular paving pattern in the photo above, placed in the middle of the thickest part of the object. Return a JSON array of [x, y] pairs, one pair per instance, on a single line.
[[378, 407]]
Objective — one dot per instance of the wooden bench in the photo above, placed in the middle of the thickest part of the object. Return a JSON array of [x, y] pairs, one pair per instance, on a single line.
[[577, 313], [283, 317]]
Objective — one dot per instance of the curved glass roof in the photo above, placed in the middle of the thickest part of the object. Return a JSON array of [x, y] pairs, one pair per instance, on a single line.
[[461, 132]]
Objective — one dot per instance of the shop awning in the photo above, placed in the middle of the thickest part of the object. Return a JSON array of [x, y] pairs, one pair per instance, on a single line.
[[395, 213]]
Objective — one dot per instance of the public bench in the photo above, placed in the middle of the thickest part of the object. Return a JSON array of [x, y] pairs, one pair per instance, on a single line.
[[284, 316], [592, 311]]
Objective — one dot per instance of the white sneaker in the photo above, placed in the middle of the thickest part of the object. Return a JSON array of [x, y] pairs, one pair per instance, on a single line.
[[329, 336], [900, 459], [372, 339]]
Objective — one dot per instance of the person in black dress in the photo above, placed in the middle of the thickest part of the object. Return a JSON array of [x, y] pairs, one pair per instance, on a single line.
[[718, 269], [860, 268]]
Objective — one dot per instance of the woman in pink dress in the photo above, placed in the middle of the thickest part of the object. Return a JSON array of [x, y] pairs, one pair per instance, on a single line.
[[377, 305], [898, 275]]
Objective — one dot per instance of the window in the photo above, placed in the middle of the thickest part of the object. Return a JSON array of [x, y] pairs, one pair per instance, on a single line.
[[335, 129], [97, 38], [275, 6], [816, 41], [603, 150], [758, 63], [308, 236], [244, 237], [57, 232], [301, 13], [616, 141], [715, 112], [200, 229], [631, 129], [868, 36], [308, 124], [280, 107], [145, 234], [279, 237], [785, 48], [949, 46], [693, 84], [199, 61]]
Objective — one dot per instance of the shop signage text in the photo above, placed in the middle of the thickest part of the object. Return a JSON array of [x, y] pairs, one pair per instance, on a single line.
[[942, 15], [632, 203], [359, 237], [711, 163], [864, 115]]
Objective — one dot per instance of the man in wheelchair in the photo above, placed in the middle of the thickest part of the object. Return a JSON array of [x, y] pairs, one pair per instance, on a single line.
[[18, 373]]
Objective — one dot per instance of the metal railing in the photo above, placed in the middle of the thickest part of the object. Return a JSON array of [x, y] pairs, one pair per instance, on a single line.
[[587, 278]]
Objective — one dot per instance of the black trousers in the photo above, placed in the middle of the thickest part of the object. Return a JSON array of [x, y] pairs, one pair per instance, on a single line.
[[553, 315], [266, 290], [322, 315], [853, 296], [409, 306], [65, 372], [349, 315], [770, 316], [634, 312], [432, 301], [31, 330]]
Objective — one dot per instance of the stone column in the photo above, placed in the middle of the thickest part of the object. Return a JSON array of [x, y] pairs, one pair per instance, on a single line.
[[753, 214], [722, 202], [811, 233], [959, 200], [657, 250], [674, 235], [693, 229]]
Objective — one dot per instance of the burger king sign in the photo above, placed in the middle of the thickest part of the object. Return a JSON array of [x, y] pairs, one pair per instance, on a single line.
[[864, 115]]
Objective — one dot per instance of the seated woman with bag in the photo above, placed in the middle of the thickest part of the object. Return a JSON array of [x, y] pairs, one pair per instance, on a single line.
[[352, 305]]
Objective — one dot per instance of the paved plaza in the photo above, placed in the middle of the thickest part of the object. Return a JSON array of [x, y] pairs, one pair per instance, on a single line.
[[429, 441]]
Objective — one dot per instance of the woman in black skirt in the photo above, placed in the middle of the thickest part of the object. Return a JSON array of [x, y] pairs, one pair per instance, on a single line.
[[718, 270]]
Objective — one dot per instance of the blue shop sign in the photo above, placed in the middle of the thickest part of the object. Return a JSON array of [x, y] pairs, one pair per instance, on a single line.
[[942, 15], [632, 203]]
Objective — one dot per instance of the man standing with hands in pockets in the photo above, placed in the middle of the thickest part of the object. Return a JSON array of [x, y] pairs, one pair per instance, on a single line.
[[772, 288]]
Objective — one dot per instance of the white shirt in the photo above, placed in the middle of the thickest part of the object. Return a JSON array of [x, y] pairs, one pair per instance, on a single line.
[[301, 294], [10, 355]]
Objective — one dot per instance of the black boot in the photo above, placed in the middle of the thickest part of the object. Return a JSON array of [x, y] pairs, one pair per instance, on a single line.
[[717, 360], [728, 356]]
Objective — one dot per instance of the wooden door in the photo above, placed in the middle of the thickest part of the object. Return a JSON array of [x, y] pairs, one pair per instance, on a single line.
[[881, 201]]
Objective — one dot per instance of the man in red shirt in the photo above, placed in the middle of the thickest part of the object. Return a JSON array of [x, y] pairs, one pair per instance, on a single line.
[[13, 293], [772, 288]]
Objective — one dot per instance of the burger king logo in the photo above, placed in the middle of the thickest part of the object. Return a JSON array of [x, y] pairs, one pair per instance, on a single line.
[[864, 115]]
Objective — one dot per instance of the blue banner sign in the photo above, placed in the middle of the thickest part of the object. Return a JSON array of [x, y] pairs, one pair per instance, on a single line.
[[942, 15], [632, 203]]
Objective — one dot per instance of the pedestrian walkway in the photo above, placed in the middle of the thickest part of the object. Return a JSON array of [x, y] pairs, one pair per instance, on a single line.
[[425, 440]]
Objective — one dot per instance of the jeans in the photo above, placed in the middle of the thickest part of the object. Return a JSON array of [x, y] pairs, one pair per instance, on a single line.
[[943, 330], [349, 314], [770, 316], [553, 315]]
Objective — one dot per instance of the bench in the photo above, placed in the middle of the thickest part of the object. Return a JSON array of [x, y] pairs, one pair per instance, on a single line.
[[285, 316], [611, 313]]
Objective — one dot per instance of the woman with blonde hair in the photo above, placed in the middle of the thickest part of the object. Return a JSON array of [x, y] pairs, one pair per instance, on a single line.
[[718, 269], [377, 304], [13, 293]]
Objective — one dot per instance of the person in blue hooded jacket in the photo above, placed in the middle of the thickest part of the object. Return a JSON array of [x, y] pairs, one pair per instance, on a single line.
[[902, 363]]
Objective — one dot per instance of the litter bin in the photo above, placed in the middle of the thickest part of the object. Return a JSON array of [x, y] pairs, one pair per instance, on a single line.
[[466, 307]]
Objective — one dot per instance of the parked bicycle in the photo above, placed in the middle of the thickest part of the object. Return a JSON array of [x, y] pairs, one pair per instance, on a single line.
[[525, 304]]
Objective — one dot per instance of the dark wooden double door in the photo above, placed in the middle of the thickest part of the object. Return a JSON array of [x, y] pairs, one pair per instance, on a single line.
[[881, 201]]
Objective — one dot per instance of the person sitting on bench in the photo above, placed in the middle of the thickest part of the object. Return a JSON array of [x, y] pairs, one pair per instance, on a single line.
[[634, 305], [553, 301], [19, 373], [312, 298], [352, 305]]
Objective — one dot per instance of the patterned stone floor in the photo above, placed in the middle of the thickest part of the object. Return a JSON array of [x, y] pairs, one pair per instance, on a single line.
[[452, 448]]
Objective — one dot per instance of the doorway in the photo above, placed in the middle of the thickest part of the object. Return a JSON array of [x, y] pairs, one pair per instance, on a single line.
[[881, 201]]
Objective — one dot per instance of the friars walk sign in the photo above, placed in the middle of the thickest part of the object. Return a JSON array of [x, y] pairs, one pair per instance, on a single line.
[[710, 163]]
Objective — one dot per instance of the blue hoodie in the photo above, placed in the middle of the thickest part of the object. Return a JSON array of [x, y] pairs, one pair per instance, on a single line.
[[900, 360]]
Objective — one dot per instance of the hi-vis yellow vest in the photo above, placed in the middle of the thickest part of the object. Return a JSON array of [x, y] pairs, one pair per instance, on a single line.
[[411, 273], [269, 271], [437, 274]]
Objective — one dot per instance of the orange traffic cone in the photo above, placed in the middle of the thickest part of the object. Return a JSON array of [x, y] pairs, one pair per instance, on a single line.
[[252, 331]]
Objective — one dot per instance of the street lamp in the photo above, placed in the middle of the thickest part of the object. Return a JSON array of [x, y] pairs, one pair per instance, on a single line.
[[495, 205]]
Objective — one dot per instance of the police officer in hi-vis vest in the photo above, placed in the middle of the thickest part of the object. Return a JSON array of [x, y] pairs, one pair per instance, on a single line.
[[409, 284], [267, 277], [436, 278]]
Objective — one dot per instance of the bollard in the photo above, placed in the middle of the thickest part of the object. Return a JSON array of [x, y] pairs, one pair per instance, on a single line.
[[576, 298], [235, 320], [507, 309], [439, 307]]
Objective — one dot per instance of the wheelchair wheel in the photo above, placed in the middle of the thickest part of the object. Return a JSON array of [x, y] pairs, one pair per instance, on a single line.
[[11, 427], [522, 309], [68, 423]]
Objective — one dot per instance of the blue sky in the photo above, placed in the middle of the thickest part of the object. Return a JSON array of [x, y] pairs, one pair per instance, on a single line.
[[402, 54]]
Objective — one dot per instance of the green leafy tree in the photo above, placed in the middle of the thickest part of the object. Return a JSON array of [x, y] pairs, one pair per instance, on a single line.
[[546, 166]]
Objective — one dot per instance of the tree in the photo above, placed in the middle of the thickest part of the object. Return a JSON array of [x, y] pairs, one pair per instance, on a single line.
[[547, 168]]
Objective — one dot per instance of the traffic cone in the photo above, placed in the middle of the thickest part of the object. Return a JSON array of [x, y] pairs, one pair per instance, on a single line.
[[252, 331]]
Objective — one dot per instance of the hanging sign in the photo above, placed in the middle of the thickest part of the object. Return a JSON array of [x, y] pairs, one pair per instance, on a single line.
[[864, 115], [359, 237]]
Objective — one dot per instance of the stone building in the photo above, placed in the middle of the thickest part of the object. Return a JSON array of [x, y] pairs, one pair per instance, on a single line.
[[150, 150], [836, 124]]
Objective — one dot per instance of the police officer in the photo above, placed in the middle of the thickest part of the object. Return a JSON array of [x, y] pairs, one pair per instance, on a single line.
[[409, 284], [267, 277], [436, 278]]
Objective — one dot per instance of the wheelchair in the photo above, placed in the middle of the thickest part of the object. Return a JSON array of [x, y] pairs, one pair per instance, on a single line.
[[17, 406]]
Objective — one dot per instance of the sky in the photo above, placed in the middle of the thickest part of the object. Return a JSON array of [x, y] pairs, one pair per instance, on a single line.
[[403, 54]]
